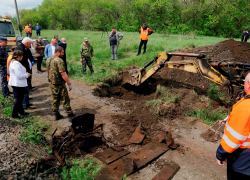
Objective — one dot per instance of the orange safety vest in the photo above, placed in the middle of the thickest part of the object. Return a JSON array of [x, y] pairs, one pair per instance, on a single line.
[[8, 72], [237, 129], [27, 29], [144, 34]]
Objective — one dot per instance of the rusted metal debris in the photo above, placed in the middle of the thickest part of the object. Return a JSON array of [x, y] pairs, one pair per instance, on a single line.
[[167, 172], [82, 137], [137, 136], [111, 154]]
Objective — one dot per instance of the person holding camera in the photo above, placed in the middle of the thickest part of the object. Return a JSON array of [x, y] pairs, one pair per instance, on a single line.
[[245, 35]]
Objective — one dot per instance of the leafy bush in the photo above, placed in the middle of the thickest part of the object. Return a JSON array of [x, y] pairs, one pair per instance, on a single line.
[[214, 92]]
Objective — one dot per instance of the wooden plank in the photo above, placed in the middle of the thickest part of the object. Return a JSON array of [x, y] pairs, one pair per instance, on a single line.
[[111, 154], [167, 172], [148, 153], [128, 164]]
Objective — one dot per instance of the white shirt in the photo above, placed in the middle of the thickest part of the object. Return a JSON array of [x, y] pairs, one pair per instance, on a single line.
[[18, 74], [53, 49], [30, 63]]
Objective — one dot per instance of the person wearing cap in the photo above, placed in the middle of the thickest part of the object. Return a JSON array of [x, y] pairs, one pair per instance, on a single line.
[[3, 67], [56, 37], [63, 44], [39, 53], [144, 33], [86, 51], [114, 41]]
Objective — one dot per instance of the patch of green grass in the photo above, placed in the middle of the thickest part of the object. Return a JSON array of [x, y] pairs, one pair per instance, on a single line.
[[83, 168], [162, 97], [103, 66], [31, 136], [34, 125], [214, 92], [208, 116]]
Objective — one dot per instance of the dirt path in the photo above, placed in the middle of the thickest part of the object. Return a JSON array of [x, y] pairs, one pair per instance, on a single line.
[[196, 159]]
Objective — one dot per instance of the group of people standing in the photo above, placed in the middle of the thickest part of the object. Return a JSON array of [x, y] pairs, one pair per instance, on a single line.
[[28, 30]]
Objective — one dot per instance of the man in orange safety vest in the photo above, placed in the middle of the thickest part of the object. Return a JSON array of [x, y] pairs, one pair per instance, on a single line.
[[144, 33], [235, 143], [27, 30]]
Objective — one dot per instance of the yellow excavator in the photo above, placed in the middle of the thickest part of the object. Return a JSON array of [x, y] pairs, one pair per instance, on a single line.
[[224, 72]]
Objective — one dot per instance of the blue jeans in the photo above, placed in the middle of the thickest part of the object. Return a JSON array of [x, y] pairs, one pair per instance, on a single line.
[[4, 82], [26, 100]]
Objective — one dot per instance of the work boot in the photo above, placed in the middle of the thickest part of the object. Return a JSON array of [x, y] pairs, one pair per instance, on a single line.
[[58, 116]]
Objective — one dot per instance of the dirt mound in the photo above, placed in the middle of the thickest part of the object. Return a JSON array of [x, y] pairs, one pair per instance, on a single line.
[[188, 88]]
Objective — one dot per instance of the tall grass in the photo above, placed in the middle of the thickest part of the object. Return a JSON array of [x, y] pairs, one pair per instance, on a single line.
[[128, 48]]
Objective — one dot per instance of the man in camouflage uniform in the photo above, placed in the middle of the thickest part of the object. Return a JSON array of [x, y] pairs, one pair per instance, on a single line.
[[86, 51], [58, 77], [39, 52], [3, 66]]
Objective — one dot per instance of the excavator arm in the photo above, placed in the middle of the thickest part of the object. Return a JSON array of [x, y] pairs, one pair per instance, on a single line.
[[200, 65]]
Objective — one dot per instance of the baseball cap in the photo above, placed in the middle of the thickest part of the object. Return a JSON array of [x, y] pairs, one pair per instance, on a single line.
[[86, 39], [3, 38], [144, 24], [40, 38]]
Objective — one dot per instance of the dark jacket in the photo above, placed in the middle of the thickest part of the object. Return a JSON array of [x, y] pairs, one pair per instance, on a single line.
[[64, 46], [246, 35], [26, 55], [3, 56], [239, 160]]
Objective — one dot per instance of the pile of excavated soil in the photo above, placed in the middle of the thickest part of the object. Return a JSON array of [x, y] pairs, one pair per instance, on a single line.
[[189, 87]]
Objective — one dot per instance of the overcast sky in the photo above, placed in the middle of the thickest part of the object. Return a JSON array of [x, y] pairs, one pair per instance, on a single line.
[[8, 6]]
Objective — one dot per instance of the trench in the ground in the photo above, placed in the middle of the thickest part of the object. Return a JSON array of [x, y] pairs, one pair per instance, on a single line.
[[191, 89]]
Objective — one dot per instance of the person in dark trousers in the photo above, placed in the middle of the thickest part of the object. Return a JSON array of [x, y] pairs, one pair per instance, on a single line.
[[18, 81], [64, 46], [3, 67], [245, 35], [38, 30], [39, 52], [144, 33], [234, 147], [31, 28], [27, 63]]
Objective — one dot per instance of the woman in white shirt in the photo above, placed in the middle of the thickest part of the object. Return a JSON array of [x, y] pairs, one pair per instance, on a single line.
[[18, 81]]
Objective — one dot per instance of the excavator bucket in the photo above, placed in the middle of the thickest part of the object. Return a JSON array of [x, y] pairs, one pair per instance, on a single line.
[[215, 132], [132, 77]]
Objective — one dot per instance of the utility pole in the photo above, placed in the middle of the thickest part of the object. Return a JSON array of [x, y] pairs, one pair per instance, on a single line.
[[18, 21]]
